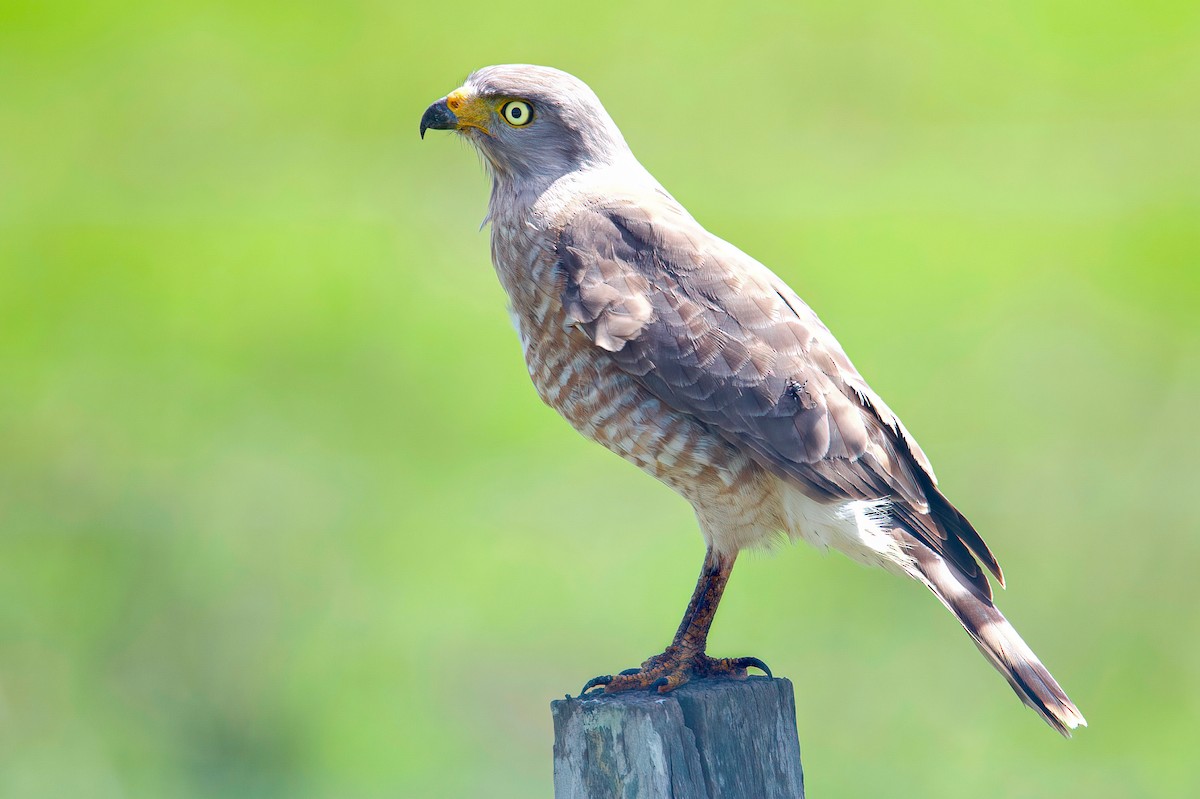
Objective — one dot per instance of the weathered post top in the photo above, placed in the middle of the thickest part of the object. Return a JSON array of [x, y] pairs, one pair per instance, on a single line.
[[709, 739]]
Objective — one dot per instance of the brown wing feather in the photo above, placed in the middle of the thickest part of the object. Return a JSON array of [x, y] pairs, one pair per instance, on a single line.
[[713, 333]]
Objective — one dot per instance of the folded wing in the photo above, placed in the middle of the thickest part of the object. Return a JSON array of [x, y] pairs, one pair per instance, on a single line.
[[714, 334]]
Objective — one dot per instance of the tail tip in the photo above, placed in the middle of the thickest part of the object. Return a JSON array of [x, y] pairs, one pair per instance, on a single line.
[[1066, 718]]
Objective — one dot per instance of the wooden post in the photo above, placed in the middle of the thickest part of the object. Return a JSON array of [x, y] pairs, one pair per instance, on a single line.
[[709, 739]]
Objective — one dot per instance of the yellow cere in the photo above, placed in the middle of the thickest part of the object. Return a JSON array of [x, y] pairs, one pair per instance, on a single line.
[[471, 111]]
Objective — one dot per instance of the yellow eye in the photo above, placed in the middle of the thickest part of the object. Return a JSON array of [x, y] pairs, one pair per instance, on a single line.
[[517, 113]]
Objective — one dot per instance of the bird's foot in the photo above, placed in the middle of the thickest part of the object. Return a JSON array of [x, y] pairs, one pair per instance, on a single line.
[[673, 668]]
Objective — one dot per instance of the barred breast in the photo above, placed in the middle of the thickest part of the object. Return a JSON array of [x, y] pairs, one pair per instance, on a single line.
[[735, 500]]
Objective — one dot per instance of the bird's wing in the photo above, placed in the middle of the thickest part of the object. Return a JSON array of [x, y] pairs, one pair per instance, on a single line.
[[713, 333]]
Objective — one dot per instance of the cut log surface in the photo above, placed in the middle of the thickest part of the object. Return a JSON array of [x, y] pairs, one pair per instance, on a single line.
[[709, 739]]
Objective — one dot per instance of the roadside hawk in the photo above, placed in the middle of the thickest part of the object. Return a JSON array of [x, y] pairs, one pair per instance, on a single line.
[[685, 356]]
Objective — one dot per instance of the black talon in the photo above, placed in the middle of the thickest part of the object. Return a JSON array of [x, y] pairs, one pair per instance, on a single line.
[[592, 683], [627, 672], [756, 663], [654, 686]]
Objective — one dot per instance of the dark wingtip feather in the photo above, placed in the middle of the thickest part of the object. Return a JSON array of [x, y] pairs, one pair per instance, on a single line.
[[961, 539], [952, 521]]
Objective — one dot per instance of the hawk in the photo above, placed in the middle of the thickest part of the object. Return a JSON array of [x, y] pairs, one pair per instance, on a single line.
[[687, 357]]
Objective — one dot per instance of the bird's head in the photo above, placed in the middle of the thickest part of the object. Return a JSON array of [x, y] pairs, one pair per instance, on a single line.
[[529, 122]]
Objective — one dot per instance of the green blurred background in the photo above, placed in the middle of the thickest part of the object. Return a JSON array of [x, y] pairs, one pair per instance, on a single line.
[[281, 516]]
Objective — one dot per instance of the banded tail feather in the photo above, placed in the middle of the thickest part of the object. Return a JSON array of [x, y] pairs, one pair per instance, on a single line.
[[998, 642]]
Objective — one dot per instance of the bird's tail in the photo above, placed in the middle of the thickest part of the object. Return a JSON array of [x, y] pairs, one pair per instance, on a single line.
[[999, 643]]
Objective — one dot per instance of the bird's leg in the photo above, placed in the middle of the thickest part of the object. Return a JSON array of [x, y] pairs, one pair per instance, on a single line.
[[685, 658]]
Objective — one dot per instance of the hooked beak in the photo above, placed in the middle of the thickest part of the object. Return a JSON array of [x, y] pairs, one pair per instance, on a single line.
[[439, 117]]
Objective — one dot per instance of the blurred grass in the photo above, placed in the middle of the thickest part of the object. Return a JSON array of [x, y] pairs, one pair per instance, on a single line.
[[281, 516]]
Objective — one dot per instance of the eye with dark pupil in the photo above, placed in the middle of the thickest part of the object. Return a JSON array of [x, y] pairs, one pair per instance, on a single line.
[[517, 113]]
